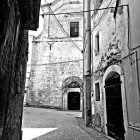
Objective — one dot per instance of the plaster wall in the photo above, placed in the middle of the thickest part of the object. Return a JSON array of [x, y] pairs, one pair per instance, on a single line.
[[112, 42], [131, 67], [119, 39], [134, 22]]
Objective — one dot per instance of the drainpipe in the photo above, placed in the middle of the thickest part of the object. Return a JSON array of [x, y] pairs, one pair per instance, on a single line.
[[83, 66], [87, 63]]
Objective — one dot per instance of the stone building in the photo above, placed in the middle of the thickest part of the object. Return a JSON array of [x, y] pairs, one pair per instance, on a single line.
[[16, 17], [57, 61], [116, 68]]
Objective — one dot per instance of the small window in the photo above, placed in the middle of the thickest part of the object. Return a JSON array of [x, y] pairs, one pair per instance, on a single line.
[[74, 29], [97, 91], [97, 43]]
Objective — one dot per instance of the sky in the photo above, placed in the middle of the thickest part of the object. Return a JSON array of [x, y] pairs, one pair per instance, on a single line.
[[46, 1]]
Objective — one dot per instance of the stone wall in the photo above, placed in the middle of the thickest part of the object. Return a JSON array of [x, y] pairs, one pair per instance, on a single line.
[[55, 56], [47, 81]]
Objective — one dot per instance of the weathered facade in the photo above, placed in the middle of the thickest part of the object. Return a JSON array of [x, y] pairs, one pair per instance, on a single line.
[[116, 68], [57, 60], [13, 58]]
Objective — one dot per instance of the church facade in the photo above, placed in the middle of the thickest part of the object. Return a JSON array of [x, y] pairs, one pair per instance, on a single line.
[[55, 78]]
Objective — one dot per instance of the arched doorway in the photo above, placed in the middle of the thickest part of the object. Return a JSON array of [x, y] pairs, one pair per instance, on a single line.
[[73, 101], [114, 108], [72, 93]]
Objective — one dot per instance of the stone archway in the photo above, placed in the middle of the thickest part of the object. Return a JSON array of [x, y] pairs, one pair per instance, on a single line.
[[72, 82], [72, 93], [114, 103], [114, 106]]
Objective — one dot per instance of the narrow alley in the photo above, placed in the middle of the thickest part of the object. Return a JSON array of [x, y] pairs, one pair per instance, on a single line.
[[55, 125], [70, 70]]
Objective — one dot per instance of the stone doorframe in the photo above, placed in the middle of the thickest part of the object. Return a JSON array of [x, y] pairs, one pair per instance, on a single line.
[[66, 89], [65, 97], [117, 69]]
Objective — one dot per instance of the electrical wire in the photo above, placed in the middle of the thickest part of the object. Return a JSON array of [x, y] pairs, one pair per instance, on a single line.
[[103, 14], [62, 28], [83, 11]]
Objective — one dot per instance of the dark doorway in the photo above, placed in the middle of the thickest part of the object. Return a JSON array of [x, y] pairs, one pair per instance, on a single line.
[[115, 123], [73, 101]]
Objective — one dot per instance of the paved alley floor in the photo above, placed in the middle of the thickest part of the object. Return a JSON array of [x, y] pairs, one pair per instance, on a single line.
[[49, 124]]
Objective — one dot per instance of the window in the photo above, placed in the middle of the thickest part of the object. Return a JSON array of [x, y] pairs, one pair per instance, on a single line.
[[97, 43], [97, 91], [74, 29]]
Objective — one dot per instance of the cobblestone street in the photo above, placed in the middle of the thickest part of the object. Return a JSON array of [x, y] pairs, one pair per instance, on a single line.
[[48, 124]]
